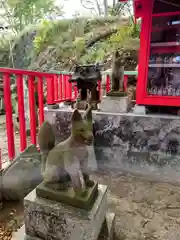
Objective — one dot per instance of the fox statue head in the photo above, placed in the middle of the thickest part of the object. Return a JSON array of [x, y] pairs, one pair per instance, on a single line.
[[82, 126]]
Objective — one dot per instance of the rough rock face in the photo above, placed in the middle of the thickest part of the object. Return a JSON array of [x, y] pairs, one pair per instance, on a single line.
[[23, 50], [137, 144], [22, 175]]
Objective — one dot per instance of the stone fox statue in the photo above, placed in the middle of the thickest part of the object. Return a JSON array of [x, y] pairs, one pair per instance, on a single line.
[[67, 160], [117, 79]]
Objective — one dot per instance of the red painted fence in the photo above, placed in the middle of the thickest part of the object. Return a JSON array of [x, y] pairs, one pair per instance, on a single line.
[[58, 90]]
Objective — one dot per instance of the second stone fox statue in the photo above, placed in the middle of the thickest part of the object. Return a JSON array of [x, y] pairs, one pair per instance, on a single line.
[[68, 160]]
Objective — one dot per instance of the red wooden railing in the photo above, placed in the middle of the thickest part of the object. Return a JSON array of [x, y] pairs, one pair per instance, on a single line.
[[31, 77], [58, 90]]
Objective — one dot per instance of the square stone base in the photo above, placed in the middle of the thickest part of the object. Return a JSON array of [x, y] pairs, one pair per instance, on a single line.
[[139, 109], [106, 233], [46, 219], [69, 197], [114, 104]]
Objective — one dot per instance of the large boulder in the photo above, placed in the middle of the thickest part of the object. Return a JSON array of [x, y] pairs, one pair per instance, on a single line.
[[22, 175]]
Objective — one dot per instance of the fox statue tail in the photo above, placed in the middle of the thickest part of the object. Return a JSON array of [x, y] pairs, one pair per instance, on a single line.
[[46, 140]]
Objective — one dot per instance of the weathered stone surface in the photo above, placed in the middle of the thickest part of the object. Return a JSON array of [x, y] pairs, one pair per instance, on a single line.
[[148, 144], [45, 219], [107, 230], [1, 188], [22, 175], [114, 104]]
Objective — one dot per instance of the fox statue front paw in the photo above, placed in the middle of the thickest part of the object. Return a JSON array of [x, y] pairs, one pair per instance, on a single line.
[[87, 181], [80, 192]]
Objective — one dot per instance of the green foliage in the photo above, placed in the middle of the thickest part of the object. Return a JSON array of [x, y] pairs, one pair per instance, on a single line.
[[56, 33], [42, 37], [124, 34], [18, 14], [62, 43]]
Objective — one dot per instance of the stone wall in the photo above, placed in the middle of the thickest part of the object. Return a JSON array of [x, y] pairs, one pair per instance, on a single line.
[[147, 145]]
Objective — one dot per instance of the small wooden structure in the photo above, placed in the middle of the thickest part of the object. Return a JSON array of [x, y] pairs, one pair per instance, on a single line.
[[159, 56]]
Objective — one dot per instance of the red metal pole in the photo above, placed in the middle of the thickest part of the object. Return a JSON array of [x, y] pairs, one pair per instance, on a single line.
[[9, 117], [40, 100], [32, 109], [21, 113], [50, 90]]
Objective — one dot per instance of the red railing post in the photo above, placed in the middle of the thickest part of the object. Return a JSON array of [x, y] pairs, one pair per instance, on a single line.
[[41, 100], [60, 87], [125, 82], [99, 89], [50, 90], [32, 109], [21, 113], [65, 87], [70, 87], [108, 83], [56, 87], [9, 116]]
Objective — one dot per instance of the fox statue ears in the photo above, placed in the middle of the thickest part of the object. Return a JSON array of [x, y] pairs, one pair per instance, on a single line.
[[88, 113], [76, 117]]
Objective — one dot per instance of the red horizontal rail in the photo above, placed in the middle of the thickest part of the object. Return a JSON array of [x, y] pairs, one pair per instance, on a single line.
[[25, 72], [166, 14]]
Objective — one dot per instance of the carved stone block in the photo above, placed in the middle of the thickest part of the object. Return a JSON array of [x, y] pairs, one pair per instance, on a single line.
[[45, 219]]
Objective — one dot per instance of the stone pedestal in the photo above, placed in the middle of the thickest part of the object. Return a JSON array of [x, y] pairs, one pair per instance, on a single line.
[[45, 219], [1, 204], [138, 109], [107, 230], [114, 104]]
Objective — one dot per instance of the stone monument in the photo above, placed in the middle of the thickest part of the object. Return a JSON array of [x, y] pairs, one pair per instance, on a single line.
[[116, 100], [67, 204], [86, 78]]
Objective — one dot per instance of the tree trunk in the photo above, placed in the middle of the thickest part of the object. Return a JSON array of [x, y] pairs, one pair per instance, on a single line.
[[105, 8]]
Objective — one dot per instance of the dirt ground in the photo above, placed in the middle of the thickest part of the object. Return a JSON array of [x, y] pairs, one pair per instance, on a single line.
[[3, 140], [145, 209]]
